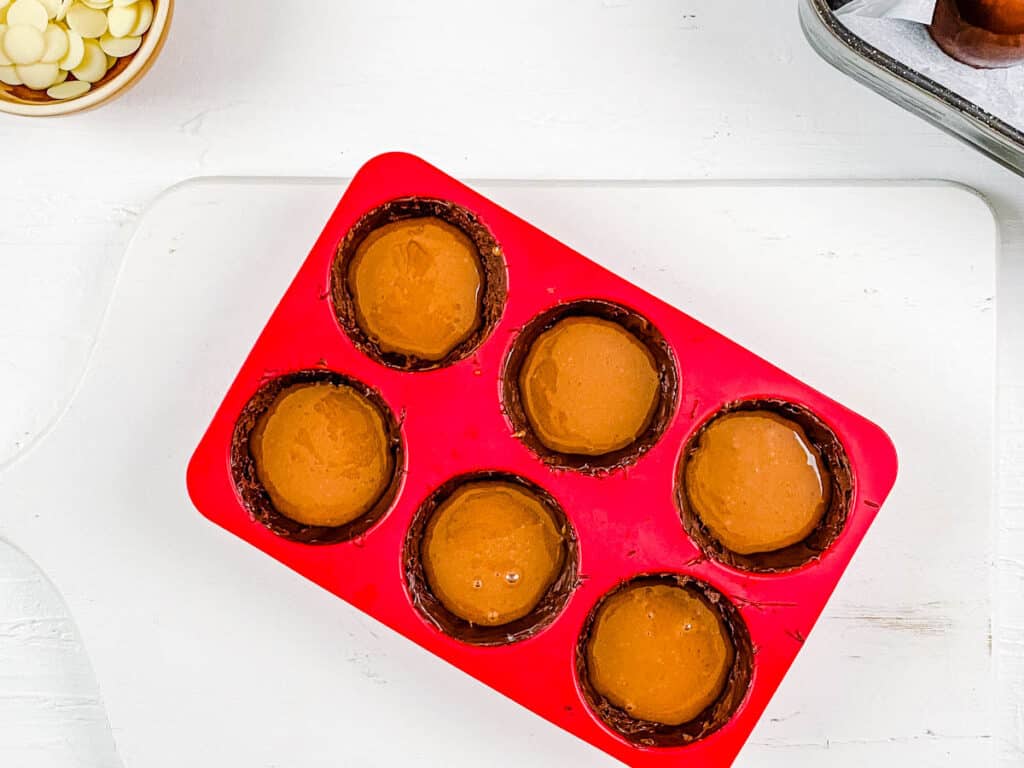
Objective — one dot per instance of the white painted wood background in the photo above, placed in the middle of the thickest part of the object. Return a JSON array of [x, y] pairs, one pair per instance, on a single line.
[[580, 89]]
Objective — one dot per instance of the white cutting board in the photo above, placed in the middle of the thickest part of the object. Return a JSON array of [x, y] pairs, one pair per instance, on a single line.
[[208, 653]]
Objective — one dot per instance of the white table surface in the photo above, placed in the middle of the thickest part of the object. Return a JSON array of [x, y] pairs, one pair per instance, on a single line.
[[662, 89]]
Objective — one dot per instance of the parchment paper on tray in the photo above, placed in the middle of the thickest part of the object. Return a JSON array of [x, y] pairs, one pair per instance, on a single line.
[[900, 29]]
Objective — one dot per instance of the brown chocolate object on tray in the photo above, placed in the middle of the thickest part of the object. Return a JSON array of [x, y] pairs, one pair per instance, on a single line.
[[648, 734], [986, 34], [252, 492], [435, 612], [824, 534], [642, 329], [494, 280]]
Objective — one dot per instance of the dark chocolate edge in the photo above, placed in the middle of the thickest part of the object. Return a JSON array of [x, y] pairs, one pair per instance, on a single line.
[[437, 615], [643, 733], [492, 296], [254, 496], [639, 326], [824, 534]]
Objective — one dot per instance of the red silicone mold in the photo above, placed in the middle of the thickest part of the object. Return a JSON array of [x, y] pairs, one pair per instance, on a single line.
[[452, 422]]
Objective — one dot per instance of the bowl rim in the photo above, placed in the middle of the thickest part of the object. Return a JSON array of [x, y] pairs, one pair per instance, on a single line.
[[151, 42]]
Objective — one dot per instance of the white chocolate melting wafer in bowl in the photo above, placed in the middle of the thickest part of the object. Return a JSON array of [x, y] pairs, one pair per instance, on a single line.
[[68, 90], [64, 56], [24, 44]]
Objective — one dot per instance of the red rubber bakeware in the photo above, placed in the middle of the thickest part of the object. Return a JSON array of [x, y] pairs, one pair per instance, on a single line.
[[453, 421]]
